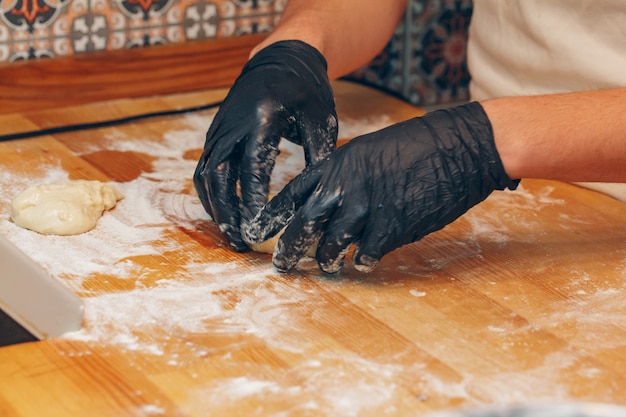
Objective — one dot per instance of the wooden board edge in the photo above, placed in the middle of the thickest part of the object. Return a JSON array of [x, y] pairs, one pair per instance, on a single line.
[[129, 73]]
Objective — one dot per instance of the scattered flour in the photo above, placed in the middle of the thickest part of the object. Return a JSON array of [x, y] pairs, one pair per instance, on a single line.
[[350, 128], [152, 410], [159, 315]]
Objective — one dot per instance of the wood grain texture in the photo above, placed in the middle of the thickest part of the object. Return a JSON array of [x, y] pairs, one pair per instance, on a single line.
[[84, 78], [521, 300]]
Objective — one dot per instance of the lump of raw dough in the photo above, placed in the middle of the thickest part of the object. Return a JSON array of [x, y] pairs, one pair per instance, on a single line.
[[68, 208], [268, 245]]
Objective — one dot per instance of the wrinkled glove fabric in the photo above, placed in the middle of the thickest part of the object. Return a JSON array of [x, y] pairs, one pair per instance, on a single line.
[[385, 189], [282, 92]]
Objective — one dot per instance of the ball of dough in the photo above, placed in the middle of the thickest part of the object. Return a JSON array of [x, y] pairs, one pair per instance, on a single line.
[[68, 208], [268, 245]]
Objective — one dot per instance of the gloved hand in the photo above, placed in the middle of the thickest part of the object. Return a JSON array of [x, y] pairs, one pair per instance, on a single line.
[[385, 189], [282, 92]]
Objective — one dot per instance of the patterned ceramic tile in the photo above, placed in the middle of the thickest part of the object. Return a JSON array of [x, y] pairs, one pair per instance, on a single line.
[[47, 28], [424, 62]]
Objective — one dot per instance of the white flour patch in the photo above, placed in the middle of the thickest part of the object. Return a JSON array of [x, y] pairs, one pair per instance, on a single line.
[[173, 306], [513, 213], [337, 383], [496, 329], [350, 128], [151, 410], [351, 384], [494, 226], [595, 322], [13, 184], [289, 163], [242, 387], [522, 198], [534, 385], [191, 303], [549, 381], [491, 229], [173, 144]]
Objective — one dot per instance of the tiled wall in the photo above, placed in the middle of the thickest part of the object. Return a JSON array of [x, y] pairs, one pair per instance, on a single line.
[[424, 63], [47, 28]]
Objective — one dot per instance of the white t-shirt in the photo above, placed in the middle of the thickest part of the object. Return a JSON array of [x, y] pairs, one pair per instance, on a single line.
[[527, 47]]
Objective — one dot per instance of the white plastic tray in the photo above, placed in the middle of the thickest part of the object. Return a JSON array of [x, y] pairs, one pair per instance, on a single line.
[[35, 300]]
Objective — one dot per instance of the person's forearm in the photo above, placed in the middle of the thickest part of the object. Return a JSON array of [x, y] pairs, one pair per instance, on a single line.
[[349, 33], [570, 137]]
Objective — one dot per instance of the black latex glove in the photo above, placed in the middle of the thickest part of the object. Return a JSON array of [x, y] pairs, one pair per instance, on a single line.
[[385, 189], [282, 92]]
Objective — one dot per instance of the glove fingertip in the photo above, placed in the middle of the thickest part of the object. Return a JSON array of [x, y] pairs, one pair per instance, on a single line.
[[255, 231], [364, 263], [332, 266], [270, 220], [282, 261], [234, 238], [239, 246], [331, 254]]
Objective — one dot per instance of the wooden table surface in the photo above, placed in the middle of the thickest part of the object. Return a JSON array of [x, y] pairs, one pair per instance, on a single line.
[[520, 301]]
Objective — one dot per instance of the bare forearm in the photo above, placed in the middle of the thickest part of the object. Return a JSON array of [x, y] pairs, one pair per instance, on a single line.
[[570, 137], [348, 33]]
